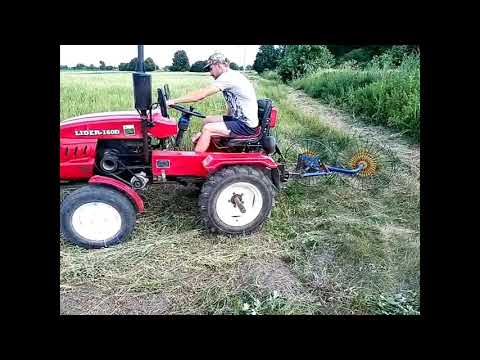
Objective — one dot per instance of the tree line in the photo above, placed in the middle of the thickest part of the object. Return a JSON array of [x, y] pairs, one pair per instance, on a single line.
[[80, 66], [180, 62], [289, 61], [293, 61]]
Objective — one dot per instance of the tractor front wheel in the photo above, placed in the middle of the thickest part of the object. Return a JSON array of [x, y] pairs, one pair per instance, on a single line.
[[236, 200], [96, 216]]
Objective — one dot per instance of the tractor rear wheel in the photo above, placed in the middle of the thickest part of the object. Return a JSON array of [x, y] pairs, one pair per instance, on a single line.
[[96, 216], [236, 200]]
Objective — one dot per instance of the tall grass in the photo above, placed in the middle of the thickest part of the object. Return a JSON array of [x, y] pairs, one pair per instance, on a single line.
[[83, 93], [383, 97]]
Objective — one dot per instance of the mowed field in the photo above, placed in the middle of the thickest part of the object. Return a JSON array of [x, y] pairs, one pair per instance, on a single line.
[[329, 249]]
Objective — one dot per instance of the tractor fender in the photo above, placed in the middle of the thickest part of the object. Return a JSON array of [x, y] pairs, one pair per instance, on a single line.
[[131, 194], [214, 162]]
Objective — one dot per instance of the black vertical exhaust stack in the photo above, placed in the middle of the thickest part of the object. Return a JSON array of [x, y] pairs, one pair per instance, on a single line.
[[140, 62], [142, 85], [142, 91]]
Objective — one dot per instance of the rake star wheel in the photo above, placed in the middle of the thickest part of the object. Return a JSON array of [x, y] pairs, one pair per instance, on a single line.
[[380, 164], [367, 160], [293, 149]]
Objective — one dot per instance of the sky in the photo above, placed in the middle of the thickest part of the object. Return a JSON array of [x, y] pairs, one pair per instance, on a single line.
[[162, 55]]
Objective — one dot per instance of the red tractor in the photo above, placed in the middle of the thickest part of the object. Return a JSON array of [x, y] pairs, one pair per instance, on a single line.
[[118, 154], [115, 155]]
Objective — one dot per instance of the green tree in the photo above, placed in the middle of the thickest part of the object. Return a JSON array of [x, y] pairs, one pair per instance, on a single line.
[[102, 65], [198, 66], [298, 60], [362, 55], [180, 61], [339, 50], [249, 67], [150, 64], [397, 53], [233, 66], [132, 65], [267, 58]]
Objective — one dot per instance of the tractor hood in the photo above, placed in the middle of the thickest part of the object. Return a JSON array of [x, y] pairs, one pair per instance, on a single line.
[[105, 125], [102, 115]]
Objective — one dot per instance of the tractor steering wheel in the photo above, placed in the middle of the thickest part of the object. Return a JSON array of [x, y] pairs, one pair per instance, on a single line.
[[187, 111]]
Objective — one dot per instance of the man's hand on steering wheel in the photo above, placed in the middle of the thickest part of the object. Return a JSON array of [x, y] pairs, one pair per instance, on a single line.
[[184, 110]]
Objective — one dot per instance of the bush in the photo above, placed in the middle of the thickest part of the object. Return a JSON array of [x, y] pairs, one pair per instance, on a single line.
[[271, 75], [361, 56], [349, 64], [334, 86], [198, 66], [303, 59], [393, 57], [393, 101], [383, 97]]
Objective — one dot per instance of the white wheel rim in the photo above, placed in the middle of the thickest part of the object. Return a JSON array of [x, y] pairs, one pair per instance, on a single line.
[[96, 221], [252, 201]]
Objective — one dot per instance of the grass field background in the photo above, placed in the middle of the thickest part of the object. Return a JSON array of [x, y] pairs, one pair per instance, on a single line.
[[325, 250]]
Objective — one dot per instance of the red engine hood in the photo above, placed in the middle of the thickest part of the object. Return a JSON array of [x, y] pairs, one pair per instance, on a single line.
[[102, 116], [115, 125], [107, 125]]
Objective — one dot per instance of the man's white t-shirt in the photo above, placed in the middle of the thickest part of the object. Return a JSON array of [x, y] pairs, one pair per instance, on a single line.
[[239, 95]]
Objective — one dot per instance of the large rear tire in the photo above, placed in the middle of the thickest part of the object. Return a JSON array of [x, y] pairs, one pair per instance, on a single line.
[[96, 216], [236, 200]]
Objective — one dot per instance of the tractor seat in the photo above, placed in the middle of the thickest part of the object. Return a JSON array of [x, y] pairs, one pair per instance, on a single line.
[[264, 111], [237, 140]]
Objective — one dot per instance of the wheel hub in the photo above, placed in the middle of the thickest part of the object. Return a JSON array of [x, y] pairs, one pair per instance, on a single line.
[[236, 200], [96, 221], [239, 204]]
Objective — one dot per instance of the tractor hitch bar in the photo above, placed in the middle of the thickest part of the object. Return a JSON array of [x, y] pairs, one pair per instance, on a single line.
[[332, 169], [308, 166]]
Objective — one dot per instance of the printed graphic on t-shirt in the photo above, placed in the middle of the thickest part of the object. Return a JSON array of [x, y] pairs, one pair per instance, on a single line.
[[236, 109]]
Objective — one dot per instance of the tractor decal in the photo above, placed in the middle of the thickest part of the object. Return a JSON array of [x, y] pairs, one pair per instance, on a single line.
[[97, 132], [129, 129]]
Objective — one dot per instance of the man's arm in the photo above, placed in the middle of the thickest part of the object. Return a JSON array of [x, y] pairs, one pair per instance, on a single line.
[[195, 96]]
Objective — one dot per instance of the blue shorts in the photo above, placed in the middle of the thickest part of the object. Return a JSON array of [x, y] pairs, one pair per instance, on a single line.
[[237, 126]]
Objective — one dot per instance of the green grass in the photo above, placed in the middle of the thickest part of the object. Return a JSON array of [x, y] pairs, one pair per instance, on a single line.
[[325, 250], [389, 98]]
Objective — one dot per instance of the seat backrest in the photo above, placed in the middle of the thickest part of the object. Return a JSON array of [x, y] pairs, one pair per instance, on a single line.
[[264, 111]]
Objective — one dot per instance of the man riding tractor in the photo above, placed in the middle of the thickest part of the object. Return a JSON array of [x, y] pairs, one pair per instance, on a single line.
[[242, 118]]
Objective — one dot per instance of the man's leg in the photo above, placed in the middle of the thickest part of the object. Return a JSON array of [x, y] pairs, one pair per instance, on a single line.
[[209, 130], [209, 119], [212, 119], [196, 137]]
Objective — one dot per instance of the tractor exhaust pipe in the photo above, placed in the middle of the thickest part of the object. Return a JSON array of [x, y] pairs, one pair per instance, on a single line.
[[142, 91], [140, 61], [142, 85]]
